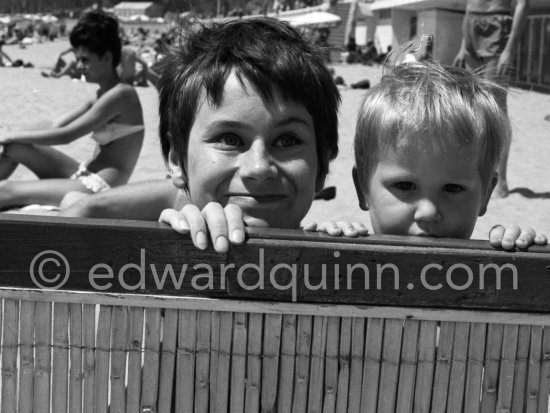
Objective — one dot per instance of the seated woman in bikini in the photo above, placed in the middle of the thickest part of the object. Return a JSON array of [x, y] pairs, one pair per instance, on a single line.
[[114, 117]]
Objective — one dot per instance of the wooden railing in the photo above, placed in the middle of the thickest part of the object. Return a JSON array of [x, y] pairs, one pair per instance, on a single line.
[[441, 326]]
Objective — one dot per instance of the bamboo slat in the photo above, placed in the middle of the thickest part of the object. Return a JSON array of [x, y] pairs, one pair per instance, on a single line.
[[224, 362], [102, 356], [214, 358], [458, 368], [476, 358], [88, 354], [407, 367], [26, 356], [426, 366], [186, 354], [118, 359], [356, 365], [372, 363], [202, 361], [520, 374], [492, 364], [254, 363], [135, 347], [533, 375], [303, 349], [43, 352], [544, 385], [389, 369], [343, 362], [331, 365], [507, 367], [10, 332], [443, 367], [317, 364], [286, 372], [238, 363], [270, 366], [60, 366], [150, 375], [167, 360], [75, 357]]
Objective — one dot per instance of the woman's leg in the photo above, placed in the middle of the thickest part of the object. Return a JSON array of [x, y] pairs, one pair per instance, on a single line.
[[44, 161]]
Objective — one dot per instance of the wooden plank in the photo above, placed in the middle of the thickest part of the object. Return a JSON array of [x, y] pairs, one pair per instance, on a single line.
[[372, 363], [224, 362], [202, 361], [185, 374], [331, 365], [26, 356], [168, 361], [214, 357], [238, 363], [544, 385], [150, 376], [492, 365], [75, 357], [520, 374], [120, 330], [254, 363], [88, 354], [43, 352], [10, 332], [135, 353], [356, 365], [476, 359], [458, 368], [125, 243], [317, 364], [389, 369], [426, 366], [407, 367], [270, 365], [60, 366], [288, 356], [443, 367], [533, 376], [303, 349], [102, 356], [507, 367]]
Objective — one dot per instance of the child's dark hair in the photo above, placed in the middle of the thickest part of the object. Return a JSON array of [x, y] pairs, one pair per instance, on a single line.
[[270, 54], [97, 31]]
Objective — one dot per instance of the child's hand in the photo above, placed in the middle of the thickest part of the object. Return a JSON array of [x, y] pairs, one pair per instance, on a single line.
[[336, 229], [514, 236], [224, 224]]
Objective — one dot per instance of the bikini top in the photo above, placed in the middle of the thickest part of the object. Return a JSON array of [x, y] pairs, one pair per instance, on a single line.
[[112, 131]]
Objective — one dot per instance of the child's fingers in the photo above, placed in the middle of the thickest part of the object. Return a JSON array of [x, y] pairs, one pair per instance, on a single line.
[[235, 223], [175, 220], [495, 236], [511, 234], [197, 225], [361, 228], [526, 238], [348, 229], [310, 227], [541, 239], [330, 228], [214, 216]]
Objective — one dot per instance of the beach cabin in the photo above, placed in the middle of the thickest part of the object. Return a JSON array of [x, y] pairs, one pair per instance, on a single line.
[[104, 316], [126, 9]]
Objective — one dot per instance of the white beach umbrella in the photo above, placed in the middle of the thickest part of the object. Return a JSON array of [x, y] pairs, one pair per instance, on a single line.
[[314, 20]]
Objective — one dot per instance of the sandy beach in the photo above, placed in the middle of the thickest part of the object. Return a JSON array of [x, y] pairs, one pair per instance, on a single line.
[[27, 97]]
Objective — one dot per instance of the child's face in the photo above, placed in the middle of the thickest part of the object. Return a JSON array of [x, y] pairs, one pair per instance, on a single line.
[[436, 193], [261, 158]]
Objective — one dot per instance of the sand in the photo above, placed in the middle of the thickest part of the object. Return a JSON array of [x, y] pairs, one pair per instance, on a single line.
[[25, 96]]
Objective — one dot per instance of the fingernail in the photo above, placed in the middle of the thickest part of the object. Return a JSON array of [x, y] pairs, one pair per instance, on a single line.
[[237, 236], [221, 244], [201, 240]]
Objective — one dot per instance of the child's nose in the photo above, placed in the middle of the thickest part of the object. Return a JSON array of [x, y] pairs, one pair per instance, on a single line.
[[426, 210], [257, 163]]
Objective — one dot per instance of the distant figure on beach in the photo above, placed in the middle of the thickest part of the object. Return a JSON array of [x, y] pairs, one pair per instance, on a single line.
[[114, 117], [127, 68], [491, 32], [65, 67], [3, 55]]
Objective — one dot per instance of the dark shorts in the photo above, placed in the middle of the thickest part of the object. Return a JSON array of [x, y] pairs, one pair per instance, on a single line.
[[487, 34]]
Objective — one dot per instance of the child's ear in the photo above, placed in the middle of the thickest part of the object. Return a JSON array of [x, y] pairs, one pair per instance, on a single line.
[[175, 170], [320, 183], [490, 189], [361, 195]]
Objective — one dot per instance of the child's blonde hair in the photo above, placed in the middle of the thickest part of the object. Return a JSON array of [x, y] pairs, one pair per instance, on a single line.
[[424, 104]]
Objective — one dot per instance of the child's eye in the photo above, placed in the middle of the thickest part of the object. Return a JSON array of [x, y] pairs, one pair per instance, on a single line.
[[405, 186], [453, 188], [229, 140], [287, 140]]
